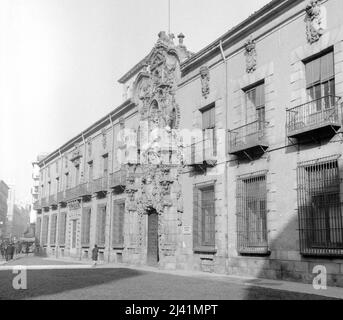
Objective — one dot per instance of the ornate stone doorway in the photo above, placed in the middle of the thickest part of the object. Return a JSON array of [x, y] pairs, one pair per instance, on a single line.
[[153, 243]]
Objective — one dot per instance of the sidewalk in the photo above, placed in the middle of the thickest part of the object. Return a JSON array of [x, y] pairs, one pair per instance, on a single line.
[[330, 292]]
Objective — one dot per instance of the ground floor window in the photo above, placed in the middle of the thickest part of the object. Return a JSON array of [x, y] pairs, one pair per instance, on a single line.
[[53, 227], [62, 228], [45, 230], [204, 218], [38, 228], [118, 223], [101, 225], [252, 214], [86, 226], [320, 208]]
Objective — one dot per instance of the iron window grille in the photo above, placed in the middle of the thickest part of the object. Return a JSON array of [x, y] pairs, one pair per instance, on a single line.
[[53, 227], [101, 225], [118, 224], [252, 214], [320, 208], [62, 228], [86, 226], [204, 219]]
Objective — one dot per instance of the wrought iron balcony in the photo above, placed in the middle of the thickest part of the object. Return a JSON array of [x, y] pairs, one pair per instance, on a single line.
[[60, 197], [52, 200], [44, 202], [78, 191], [118, 179], [318, 118], [248, 138], [100, 185]]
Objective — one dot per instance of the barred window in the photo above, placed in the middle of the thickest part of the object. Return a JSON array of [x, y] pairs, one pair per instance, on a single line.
[[252, 215], [45, 230], [319, 207], [86, 226], [53, 227], [62, 228], [118, 224], [38, 228], [204, 218], [209, 132], [101, 225], [320, 81]]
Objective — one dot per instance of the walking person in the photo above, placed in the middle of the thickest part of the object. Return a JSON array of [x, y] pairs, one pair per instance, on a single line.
[[8, 251], [95, 253], [12, 251]]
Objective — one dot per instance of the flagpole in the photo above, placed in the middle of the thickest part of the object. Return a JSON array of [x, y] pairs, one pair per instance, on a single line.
[[168, 16]]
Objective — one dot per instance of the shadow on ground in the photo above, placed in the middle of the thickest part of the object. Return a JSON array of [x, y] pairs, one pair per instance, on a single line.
[[49, 282]]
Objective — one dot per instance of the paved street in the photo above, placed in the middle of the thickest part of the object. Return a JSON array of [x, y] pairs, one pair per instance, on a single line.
[[126, 283]]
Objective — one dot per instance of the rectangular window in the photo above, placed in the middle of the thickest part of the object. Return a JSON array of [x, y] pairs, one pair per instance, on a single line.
[[204, 219], [86, 226], [252, 215], [320, 208], [118, 224], [62, 226], [209, 132], [38, 228], [90, 171], [77, 175], [101, 225], [67, 184], [53, 227], [73, 239], [255, 104], [105, 165], [320, 82], [45, 230], [57, 184]]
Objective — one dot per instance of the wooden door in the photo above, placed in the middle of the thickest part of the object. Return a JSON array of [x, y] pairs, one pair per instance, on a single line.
[[153, 251]]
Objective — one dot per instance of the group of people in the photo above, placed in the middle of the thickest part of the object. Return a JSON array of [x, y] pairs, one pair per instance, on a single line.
[[9, 249]]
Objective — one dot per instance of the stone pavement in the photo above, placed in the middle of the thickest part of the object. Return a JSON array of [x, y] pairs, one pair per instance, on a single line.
[[330, 292]]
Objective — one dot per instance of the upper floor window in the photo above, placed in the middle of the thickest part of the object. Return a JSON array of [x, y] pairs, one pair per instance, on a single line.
[[209, 132], [77, 175], [105, 164], [90, 171], [255, 103], [320, 81]]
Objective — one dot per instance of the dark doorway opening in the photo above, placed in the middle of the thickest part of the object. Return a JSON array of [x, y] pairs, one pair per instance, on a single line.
[[153, 250]]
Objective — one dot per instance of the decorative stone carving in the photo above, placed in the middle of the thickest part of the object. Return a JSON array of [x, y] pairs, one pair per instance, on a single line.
[[205, 81], [315, 20], [104, 138], [74, 205], [250, 55]]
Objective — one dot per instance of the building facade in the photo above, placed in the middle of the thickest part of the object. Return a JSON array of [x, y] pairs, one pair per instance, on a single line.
[[228, 160], [3, 207]]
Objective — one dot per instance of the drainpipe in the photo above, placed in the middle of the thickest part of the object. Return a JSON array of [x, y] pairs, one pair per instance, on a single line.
[[226, 151], [84, 170], [110, 197]]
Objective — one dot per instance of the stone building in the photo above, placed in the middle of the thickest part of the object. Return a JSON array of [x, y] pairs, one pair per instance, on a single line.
[[3, 207], [228, 160]]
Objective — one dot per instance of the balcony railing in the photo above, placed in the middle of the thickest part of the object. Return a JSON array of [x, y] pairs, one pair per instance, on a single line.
[[78, 191], [60, 196], [316, 115], [118, 179], [248, 137], [52, 200], [100, 185], [44, 202]]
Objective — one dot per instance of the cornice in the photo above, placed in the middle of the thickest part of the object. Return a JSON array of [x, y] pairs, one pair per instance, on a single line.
[[104, 121], [254, 22]]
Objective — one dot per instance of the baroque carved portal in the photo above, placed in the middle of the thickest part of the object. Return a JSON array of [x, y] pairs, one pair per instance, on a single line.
[[250, 55], [154, 92], [315, 20]]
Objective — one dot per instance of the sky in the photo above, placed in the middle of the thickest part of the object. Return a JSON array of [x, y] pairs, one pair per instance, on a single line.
[[60, 61]]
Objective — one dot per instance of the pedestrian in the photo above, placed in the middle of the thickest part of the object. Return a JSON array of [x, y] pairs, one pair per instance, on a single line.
[[12, 250], [8, 253], [27, 248], [95, 253]]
